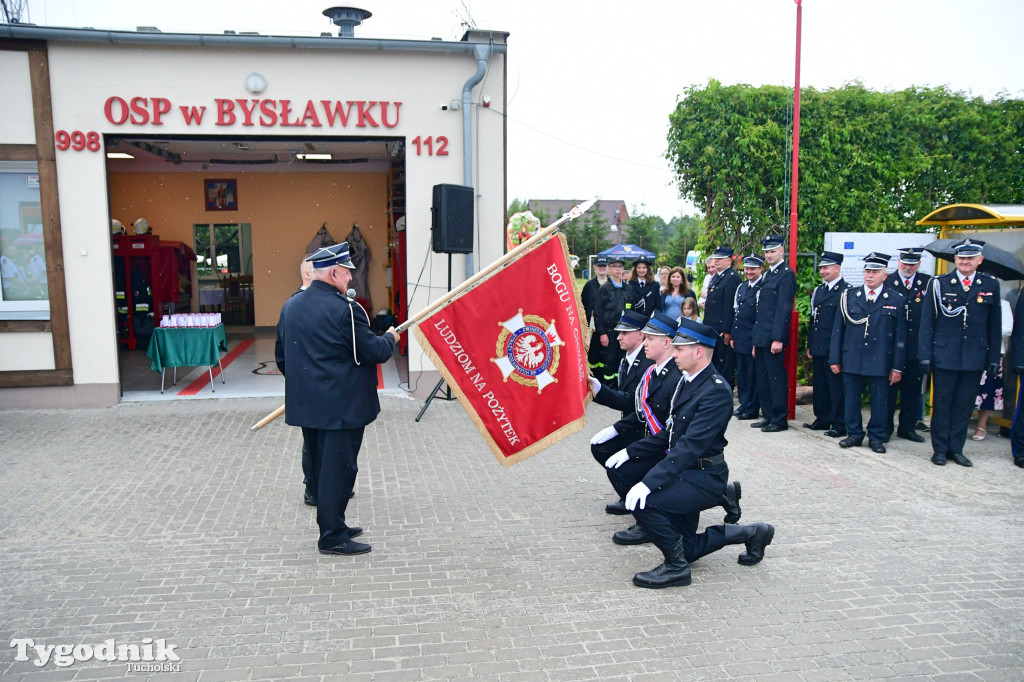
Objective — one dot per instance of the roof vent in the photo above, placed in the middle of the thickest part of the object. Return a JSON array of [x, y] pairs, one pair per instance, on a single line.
[[346, 19]]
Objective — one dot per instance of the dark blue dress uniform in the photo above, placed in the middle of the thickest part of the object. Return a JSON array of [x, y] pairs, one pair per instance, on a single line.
[[960, 337], [868, 341], [328, 355], [631, 426], [718, 313], [1017, 362], [742, 344], [828, 387], [774, 310], [644, 297], [908, 389]]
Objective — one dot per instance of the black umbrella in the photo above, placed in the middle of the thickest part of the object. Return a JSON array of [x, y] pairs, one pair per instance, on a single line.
[[999, 263]]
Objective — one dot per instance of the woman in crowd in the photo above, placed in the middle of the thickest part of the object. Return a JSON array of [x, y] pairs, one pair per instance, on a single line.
[[990, 395], [642, 294], [677, 291], [663, 278]]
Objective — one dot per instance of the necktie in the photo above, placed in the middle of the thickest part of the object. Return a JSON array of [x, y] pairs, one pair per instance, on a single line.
[[907, 282], [871, 297], [967, 282], [622, 371]]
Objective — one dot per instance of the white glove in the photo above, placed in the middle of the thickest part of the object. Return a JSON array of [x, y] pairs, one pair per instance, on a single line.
[[617, 460], [637, 495], [595, 385], [604, 435]]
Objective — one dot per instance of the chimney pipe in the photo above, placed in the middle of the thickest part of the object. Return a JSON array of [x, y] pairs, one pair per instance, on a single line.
[[346, 19]]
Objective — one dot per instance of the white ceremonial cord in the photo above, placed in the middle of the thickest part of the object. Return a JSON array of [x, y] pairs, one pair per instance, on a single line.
[[349, 299], [939, 305], [672, 406]]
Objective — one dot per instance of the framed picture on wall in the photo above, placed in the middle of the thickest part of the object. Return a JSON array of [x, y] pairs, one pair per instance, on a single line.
[[221, 195]]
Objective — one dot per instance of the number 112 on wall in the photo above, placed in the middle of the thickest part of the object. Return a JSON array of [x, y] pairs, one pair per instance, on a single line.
[[428, 142]]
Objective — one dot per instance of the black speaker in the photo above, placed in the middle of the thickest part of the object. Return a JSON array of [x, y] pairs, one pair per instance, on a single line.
[[452, 219]]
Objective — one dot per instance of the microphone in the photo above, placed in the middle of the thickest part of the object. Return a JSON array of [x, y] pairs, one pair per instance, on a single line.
[[351, 293]]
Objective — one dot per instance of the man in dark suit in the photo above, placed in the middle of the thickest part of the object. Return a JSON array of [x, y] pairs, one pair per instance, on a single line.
[[960, 337], [828, 387], [589, 299], [328, 355], [693, 474], [1016, 351], [913, 285], [308, 480], [742, 340], [868, 346], [771, 334], [718, 310], [632, 367], [652, 401]]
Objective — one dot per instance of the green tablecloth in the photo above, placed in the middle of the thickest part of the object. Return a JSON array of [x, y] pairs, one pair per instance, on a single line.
[[186, 347]]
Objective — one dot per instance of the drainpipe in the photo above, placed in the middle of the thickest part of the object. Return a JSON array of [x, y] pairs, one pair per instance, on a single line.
[[482, 53]]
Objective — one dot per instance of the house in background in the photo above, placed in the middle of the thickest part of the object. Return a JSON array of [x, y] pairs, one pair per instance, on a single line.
[[614, 210]]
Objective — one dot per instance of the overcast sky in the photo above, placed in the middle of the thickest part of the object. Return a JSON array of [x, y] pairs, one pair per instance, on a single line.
[[592, 82]]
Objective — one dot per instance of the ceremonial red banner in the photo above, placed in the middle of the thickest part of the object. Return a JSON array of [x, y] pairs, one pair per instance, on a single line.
[[512, 350]]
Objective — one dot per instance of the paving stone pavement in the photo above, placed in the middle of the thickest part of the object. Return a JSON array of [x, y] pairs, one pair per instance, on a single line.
[[174, 521]]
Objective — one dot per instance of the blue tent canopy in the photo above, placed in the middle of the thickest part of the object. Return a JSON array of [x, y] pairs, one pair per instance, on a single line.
[[626, 252]]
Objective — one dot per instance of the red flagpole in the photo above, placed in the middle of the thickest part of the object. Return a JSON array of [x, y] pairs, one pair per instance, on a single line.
[[793, 352]]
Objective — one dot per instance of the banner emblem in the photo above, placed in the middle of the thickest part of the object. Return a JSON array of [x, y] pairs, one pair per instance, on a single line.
[[527, 351]]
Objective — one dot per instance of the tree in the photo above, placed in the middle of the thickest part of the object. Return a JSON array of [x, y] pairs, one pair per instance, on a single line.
[[687, 234], [869, 161], [644, 231], [517, 206]]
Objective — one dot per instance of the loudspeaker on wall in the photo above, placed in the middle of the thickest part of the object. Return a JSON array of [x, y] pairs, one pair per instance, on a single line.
[[452, 219]]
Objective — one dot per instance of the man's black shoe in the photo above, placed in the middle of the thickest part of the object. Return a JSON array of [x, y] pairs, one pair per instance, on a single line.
[[308, 497], [835, 433], [618, 508], [746, 416], [960, 459], [921, 426], [731, 502], [817, 426], [774, 428], [737, 412], [911, 435], [877, 447], [851, 442], [347, 548], [939, 459], [1019, 461], [634, 535], [354, 531], [763, 534], [760, 424]]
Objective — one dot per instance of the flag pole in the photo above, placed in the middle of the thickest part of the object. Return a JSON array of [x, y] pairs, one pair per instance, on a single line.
[[576, 212]]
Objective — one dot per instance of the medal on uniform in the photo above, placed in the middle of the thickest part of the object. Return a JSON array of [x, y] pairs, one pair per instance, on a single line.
[[979, 299]]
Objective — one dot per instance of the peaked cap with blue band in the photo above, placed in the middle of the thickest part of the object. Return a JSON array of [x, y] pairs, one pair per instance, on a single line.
[[660, 324], [336, 254], [631, 322], [691, 332], [830, 258]]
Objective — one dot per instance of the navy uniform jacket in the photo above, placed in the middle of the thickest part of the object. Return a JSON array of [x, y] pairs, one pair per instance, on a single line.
[[1016, 349], [775, 306], [952, 343], [324, 387], [718, 306], [588, 297], [915, 297], [700, 416], [622, 399], [824, 304], [611, 301], [874, 348], [658, 399], [645, 300], [743, 319]]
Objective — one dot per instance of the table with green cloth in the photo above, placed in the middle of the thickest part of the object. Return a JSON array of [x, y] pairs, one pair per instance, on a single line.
[[186, 347]]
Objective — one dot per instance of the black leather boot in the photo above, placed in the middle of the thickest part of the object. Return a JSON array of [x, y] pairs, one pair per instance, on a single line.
[[730, 502], [756, 536], [675, 570]]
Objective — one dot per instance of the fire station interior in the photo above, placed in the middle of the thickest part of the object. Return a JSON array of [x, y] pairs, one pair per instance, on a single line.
[[209, 231]]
